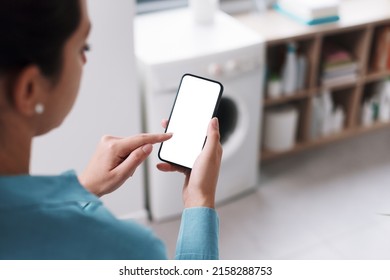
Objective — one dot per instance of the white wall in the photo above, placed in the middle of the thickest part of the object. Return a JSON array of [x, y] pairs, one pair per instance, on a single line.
[[108, 103]]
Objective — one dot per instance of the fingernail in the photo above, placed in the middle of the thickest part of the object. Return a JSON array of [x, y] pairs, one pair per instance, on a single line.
[[147, 148], [216, 123], [169, 134]]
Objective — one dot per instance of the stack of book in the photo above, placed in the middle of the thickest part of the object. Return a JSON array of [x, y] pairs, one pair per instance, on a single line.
[[310, 11], [339, 66]]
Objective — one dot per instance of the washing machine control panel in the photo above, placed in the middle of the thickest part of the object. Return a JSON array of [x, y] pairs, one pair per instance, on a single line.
[[215, 69], [219, 66], [232, 67]]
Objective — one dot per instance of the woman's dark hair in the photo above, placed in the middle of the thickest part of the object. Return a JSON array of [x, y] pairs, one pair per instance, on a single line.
[[34, 32]]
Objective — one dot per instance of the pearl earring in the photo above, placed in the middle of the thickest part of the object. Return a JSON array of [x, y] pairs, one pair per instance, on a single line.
[[39, 108]]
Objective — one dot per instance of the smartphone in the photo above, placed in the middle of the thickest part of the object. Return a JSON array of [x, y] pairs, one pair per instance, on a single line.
[[196, 103]]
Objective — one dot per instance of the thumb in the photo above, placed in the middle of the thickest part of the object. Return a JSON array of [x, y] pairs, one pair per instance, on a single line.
[[213, 135]]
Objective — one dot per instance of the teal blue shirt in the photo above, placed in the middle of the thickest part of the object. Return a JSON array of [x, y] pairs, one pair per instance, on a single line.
[[54, 217]]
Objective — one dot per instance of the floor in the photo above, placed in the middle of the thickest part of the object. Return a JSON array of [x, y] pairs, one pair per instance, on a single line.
[[328, 203]]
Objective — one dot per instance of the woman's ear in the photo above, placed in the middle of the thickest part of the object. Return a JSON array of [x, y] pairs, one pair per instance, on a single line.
[[28, 90]]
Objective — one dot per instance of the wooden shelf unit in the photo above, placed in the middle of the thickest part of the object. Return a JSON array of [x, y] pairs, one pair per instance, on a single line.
[[356, 31]]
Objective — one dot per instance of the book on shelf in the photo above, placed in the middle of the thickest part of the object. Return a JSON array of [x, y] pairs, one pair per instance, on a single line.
[[338, 66], [340, 70], [340, 80], [310, 11], [381, 57]]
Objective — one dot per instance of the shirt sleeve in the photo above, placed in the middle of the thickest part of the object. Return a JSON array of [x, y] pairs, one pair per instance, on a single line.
[[198, 235]]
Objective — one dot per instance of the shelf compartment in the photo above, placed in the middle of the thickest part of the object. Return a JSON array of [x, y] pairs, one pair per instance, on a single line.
[[379, 53], [346, 53], [372, 106], [345, 98], [325, 123], [276, 54], [300, 135]]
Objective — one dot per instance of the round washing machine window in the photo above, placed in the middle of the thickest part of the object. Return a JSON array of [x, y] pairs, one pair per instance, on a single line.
[[227, 115]]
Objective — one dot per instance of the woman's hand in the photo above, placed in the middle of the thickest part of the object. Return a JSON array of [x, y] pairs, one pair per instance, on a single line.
[[201, 182], [116, 159]]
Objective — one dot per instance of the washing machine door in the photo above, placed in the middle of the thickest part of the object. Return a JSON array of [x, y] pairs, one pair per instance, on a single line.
[[228, 117], [233, 121], [239, 116]]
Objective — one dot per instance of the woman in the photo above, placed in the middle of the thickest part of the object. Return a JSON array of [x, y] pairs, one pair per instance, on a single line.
[[42, 53]]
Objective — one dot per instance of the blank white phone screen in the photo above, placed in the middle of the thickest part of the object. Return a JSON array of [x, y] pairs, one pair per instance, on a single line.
[[193, 109]]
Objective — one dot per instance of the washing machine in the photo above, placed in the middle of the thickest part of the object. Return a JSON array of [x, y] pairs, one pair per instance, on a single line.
[[169, 44]]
